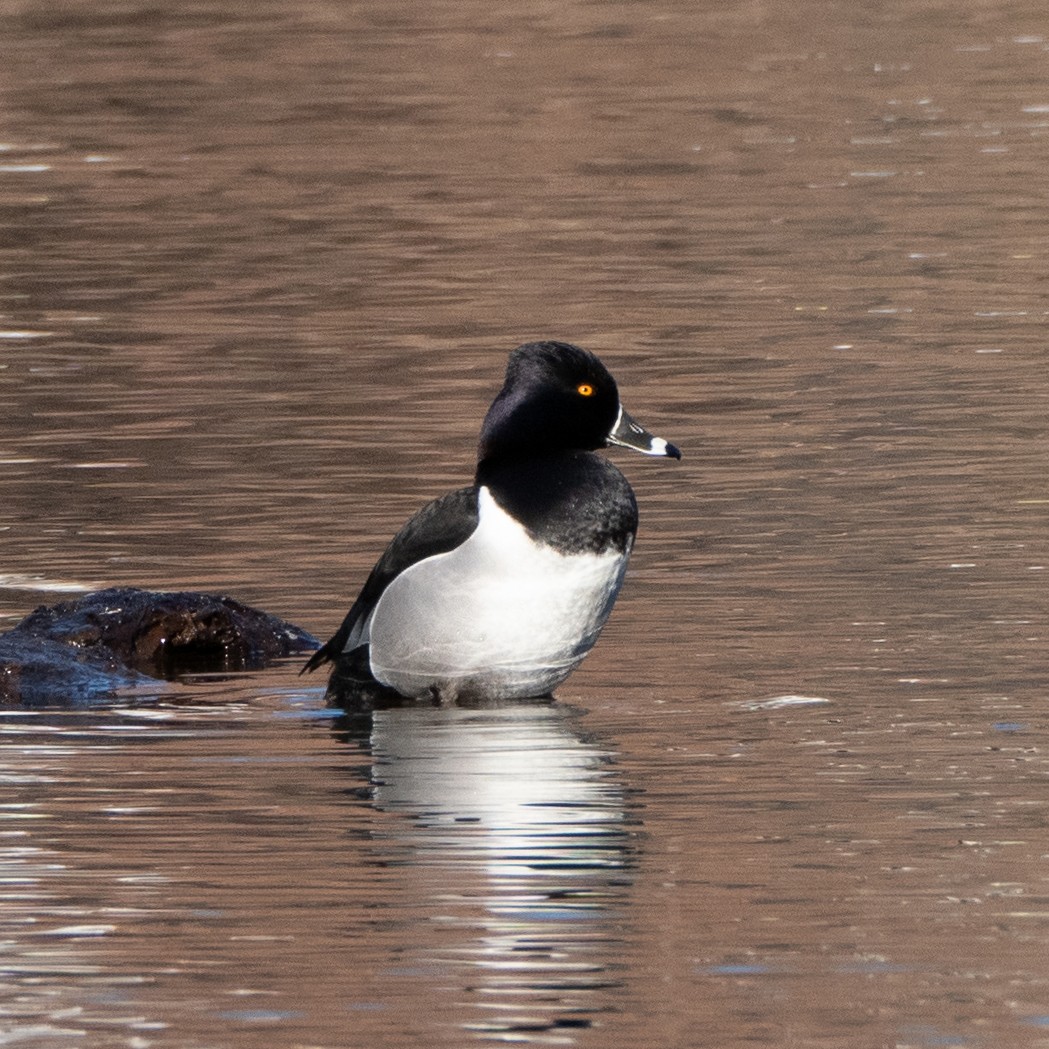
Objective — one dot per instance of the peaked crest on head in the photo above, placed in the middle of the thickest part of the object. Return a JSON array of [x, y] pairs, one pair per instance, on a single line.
[[556, 397]]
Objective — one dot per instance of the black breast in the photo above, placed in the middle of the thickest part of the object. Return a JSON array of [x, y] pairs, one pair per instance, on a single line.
[[576, 502]]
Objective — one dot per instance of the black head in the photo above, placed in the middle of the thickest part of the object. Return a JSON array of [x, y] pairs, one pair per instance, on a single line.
[[558, 398]]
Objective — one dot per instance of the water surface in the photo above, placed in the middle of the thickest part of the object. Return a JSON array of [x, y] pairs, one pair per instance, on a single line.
[[262, 267]]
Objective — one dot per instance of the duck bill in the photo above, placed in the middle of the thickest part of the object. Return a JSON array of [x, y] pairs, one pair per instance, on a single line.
[[628, 434]]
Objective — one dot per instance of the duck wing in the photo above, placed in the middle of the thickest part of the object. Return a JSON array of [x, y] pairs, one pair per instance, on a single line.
[[437, 528]]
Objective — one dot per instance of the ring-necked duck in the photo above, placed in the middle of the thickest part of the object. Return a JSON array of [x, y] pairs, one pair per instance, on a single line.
[[498, 591]]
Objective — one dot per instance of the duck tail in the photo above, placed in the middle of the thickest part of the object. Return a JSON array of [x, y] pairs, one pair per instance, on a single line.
[[318, 659]]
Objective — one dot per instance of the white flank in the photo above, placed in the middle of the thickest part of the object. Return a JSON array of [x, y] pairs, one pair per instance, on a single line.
[[500, 610]]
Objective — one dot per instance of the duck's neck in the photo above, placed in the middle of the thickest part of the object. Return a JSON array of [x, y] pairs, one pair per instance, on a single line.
[[575, 501]]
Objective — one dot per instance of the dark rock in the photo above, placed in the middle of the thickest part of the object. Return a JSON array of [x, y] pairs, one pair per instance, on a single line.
[[35, 672], [85, 650]]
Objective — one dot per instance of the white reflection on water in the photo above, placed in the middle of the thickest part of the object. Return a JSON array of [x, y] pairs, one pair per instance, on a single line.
[[22, 581], [520, 832]]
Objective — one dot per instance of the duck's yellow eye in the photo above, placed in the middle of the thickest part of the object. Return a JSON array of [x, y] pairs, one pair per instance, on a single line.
[[584, 389]]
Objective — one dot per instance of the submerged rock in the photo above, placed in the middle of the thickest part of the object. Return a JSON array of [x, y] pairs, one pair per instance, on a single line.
[[35, 672], [90, 649]]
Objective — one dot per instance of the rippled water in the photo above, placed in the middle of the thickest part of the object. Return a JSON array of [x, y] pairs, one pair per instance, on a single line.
[[261, 268]]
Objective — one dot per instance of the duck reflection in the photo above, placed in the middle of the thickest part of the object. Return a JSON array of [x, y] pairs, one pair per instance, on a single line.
[[521, 824]]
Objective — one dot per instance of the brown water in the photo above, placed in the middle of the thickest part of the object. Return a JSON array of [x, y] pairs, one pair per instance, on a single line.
[[262, 264]]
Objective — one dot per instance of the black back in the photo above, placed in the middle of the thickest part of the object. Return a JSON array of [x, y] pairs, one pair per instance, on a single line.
[[438, 527]]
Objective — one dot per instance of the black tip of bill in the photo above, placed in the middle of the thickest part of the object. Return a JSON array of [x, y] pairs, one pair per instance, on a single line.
[[629, 434]]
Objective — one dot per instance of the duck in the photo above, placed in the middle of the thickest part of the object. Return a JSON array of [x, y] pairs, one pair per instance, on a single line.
[[498, 590]]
